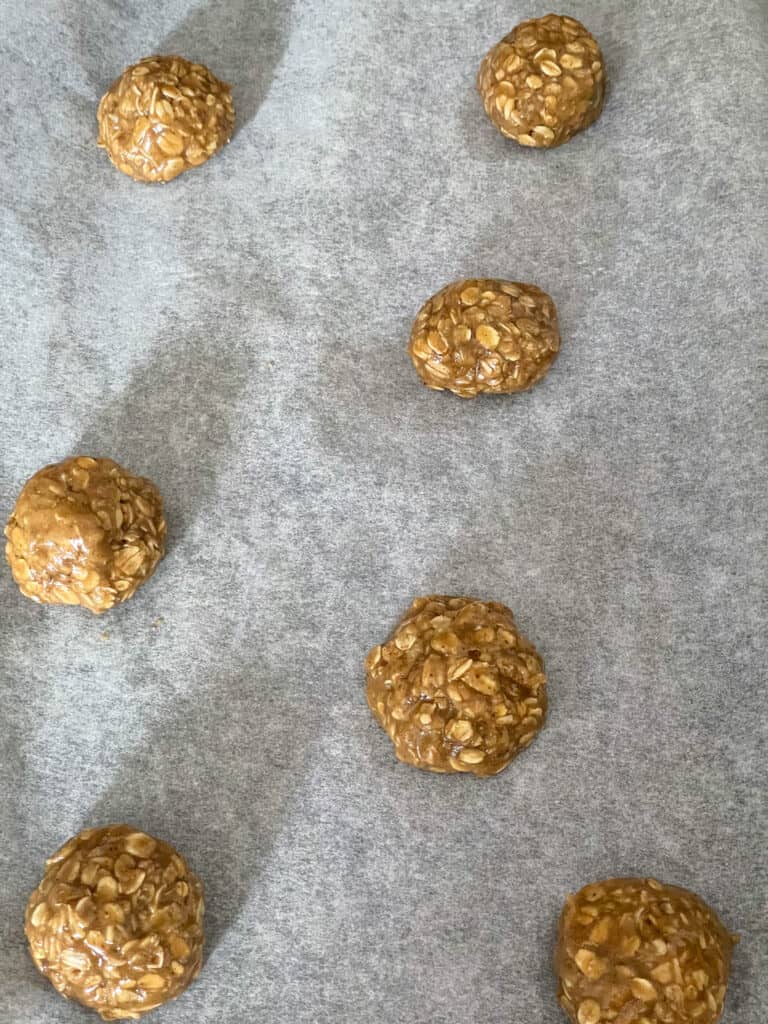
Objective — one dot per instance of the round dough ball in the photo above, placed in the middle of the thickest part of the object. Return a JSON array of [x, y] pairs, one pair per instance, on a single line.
[[634, 950], [544, 82], [163, 116], [485, 336], [456, 686], [84, 531], [116, 922]]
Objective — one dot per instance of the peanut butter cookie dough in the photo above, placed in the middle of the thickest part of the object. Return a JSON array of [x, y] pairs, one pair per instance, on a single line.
[[85, 531], [635, 951], [163, 116], [484, 336], [544, 82], [116, 922], [456, 687]]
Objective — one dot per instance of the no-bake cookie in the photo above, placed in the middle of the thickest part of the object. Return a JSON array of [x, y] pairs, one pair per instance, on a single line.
[[457, 687], [544, 82], [116, 922], [85, 531], [484, 336], [636, 951], [163, 116]]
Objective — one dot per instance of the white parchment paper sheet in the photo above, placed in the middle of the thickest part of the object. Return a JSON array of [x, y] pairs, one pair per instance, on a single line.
[[239, 336]]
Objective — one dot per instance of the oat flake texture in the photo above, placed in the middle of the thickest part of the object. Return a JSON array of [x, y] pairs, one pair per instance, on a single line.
[[485, 337], [239, 337], [544, 82], [636, 950], [456, 687], [163, 116], [116, 922], [85, 531]]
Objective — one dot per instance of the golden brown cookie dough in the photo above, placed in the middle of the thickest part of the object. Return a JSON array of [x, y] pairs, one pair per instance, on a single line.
[[116, 922], [456, 686], [635, 951], [85, 531], [544, 82], [483, 336], [163, 116]]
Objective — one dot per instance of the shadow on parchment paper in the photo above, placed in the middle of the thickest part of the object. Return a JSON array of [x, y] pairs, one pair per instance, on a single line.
[[174, 420], [481, 139], [242, 41], [214, 777], [545, 978]]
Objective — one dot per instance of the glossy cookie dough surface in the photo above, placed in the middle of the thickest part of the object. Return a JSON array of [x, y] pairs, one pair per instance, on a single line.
[[544, 82], [457, 687], [163, 116], [484, 336], [85, 531], [116, 922], [635, 951]]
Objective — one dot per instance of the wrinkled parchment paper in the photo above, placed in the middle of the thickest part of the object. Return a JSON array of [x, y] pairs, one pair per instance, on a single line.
[[239, 337]]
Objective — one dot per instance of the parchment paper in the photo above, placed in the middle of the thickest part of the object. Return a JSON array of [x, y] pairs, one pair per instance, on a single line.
[[239, 337]]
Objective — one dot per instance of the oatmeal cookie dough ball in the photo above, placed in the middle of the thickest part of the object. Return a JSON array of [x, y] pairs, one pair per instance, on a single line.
[[456, 686], [635, 950], [116, 922], [163, 116], [85, 531], [544, 82], [483, 336]]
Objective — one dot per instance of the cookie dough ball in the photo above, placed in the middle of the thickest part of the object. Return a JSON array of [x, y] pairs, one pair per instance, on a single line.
[[544, 82], [634, 950], [116, 922], [485, 336], [456, 686], [163, 116], [85, 531]]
